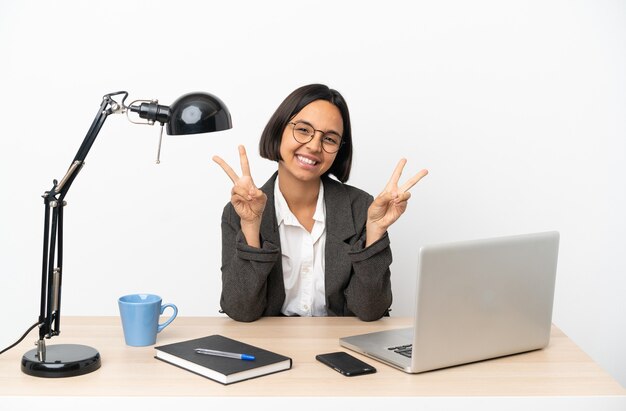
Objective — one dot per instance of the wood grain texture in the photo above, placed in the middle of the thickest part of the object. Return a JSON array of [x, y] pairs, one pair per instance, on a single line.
[[561, 369]]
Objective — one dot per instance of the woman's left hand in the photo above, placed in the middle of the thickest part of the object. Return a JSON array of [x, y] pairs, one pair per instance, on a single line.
[[390, 204]]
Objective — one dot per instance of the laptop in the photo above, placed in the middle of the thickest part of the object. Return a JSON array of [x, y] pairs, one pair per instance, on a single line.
[[475, 300]]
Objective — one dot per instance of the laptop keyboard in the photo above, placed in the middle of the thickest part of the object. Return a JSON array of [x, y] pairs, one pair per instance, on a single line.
[[405, 350]]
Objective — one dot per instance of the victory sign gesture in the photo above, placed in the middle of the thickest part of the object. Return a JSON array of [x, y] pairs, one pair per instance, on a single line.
[[390, 204], [248, 201]]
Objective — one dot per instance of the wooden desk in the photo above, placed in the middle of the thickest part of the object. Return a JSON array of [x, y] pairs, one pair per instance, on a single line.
[[561, 369]]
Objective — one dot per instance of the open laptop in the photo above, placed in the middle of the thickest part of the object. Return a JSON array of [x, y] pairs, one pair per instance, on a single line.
[[475, 300]]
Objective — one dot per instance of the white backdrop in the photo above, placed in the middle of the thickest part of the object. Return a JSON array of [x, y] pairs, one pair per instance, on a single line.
[[516, 108]]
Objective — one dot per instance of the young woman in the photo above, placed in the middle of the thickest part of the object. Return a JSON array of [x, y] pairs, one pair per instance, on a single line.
[[305, 244]]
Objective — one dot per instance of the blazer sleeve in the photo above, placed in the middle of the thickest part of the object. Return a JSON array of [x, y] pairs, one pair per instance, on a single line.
[[245, 271], [368, 294]]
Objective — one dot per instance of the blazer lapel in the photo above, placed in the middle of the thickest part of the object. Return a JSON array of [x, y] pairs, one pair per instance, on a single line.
[[339, 220], [339, 228], [269, 232], [269, 228]]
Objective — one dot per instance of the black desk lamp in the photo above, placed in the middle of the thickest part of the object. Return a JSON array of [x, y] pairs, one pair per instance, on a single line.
[[191, 114]]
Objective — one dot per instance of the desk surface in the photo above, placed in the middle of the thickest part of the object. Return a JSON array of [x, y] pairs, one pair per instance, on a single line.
[[561, 369]]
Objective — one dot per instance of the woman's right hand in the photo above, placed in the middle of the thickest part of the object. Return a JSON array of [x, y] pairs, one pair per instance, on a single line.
[[248, 200]]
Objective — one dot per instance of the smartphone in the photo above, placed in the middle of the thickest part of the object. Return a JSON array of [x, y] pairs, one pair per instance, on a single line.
[[345, 364]]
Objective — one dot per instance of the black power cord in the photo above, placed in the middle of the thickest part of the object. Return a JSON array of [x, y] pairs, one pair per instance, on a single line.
[[20, 340]]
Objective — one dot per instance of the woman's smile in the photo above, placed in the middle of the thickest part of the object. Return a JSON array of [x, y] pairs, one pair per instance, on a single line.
[[307, 161]]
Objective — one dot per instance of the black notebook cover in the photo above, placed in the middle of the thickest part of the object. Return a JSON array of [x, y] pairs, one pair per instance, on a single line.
[[222, 369]]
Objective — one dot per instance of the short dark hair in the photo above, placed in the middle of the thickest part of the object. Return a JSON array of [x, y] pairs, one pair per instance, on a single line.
[[269, 146]]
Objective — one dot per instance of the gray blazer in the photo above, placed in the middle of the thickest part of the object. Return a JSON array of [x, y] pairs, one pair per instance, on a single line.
[[357, 279]]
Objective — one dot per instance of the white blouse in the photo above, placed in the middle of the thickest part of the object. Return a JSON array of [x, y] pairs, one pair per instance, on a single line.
[[302, 258]]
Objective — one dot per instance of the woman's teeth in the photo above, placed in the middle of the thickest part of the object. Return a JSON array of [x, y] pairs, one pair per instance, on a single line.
[[307, 160]]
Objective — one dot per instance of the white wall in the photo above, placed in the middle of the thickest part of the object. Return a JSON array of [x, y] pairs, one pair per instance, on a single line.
[[516, 108]]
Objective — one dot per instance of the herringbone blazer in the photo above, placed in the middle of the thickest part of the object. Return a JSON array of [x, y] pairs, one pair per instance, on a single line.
[[357, 279]]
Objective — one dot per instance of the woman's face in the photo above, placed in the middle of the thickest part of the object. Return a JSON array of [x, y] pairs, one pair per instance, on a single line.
[[309, 161]]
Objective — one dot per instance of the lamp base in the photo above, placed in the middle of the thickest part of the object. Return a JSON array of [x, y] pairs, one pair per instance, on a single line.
[[62, 360]]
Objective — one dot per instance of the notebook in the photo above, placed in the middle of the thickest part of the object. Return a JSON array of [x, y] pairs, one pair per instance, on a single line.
[[222, 369], [475, 300]]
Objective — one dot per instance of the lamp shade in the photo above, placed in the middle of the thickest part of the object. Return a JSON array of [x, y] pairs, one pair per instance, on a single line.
[[195, 113]]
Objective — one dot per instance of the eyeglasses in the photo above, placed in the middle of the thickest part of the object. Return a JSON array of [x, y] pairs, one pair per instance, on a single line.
[[304, 132]]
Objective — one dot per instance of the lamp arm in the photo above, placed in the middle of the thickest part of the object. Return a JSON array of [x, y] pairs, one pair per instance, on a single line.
[[52, 262], [107, 107]]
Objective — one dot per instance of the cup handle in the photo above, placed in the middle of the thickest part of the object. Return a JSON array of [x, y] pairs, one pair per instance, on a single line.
[[169, 320]]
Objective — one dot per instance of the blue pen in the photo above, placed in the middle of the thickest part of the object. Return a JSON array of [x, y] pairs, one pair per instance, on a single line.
[[245, 357]]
